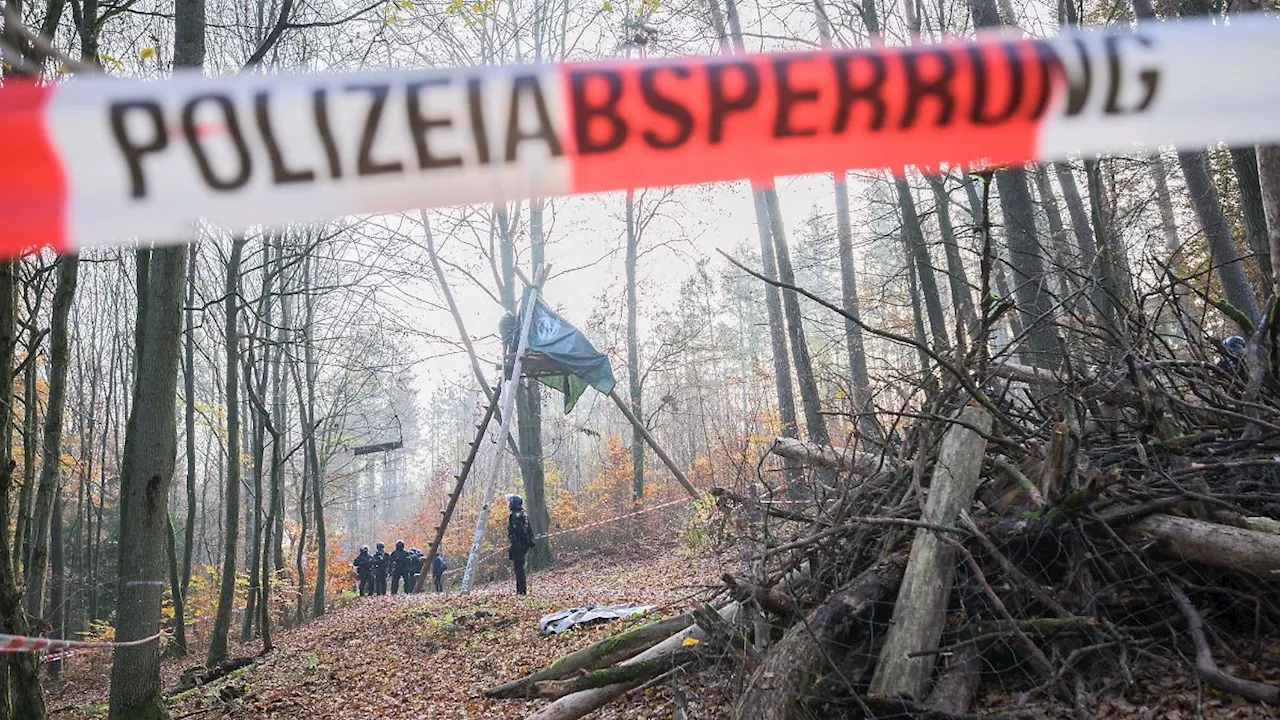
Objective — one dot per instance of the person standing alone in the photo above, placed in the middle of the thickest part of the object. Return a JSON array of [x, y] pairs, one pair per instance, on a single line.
[[519, 540]]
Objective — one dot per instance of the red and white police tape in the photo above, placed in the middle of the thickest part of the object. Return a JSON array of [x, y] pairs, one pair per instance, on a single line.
[[105, 161], [22, 643]]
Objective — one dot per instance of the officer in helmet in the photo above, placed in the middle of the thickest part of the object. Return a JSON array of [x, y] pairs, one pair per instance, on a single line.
[[399, 560], [1232, 360], [379, 567], [519, 540], [362, 564]]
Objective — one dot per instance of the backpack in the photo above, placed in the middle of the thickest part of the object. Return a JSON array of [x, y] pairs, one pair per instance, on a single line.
[[519, 532], [439, 565]]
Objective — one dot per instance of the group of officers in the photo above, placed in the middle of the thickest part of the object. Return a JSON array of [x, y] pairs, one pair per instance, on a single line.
[[399, 565], [404, 566]]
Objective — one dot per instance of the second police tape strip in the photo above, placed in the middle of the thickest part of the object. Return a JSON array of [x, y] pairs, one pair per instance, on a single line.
[[104, 161]]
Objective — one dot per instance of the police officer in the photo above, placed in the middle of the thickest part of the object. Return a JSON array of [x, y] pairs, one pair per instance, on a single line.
[[415, 569], [438, 566], [399, 567], [378, 565], [1233, 357], [519, 540], [361, 564]]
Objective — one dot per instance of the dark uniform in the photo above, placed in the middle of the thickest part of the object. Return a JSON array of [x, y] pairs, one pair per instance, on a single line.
[[438, 566], [379, 567], [519, 540], [399, 567], [365, 574], [415, 569], [1232, 360]]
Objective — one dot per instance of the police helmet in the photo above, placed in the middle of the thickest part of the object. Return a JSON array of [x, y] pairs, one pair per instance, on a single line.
[[1234, 344], [382, 546], [399, 544], [514, 503], [364, 548]]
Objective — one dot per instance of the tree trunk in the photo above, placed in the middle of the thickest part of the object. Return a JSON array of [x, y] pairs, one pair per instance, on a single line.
[[189, 389], [777, 687], [731, 41], [777, 327], [50, 486], [257, 385], [529, 425], [149, 456], [927, 281], [957, 277], [920, 610], [854, 345], [1269, 175], [317, 468], [917, 322], [231, 501], [811, 400], [1245, 162], [175, 592], [1114, 279], [633, 350], [1226, 546], [1222, 247], [30, 445], [1080, 226], [23, 696], [57, 613], [1035, 302]]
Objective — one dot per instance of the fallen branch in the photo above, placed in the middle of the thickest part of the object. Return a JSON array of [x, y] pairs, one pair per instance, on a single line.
[[575, 705], [641, 671], [1207, 669], [604, 653], [858, 463]]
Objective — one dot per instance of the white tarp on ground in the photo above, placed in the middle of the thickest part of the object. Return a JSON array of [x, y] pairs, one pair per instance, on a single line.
[[558, 622]]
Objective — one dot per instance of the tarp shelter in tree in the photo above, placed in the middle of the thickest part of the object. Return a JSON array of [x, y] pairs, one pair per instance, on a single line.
[[540, 344], [558, 354]]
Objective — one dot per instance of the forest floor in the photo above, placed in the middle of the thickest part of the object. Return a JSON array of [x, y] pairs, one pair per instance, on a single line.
[[432, 655]]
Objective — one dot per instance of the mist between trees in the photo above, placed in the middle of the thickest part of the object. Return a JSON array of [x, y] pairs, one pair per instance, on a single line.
[[181, 421]]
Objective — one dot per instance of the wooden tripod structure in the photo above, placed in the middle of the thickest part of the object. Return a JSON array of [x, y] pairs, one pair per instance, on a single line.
[[505, 392]]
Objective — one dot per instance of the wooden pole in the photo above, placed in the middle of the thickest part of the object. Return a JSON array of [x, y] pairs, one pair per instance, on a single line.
[[644, 433], [508, 395], [906, 660], [461, 481]]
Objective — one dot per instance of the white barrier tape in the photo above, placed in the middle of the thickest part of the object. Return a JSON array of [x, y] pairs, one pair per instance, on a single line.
[[98, 161], [580, 528]]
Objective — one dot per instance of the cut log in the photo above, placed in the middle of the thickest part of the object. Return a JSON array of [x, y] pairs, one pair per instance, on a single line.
[[956, 689], [571, 707], [858, 463], [906, 660], [638, 672], [779, 682], [1210, 543], [770, 599], [607, 652]]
